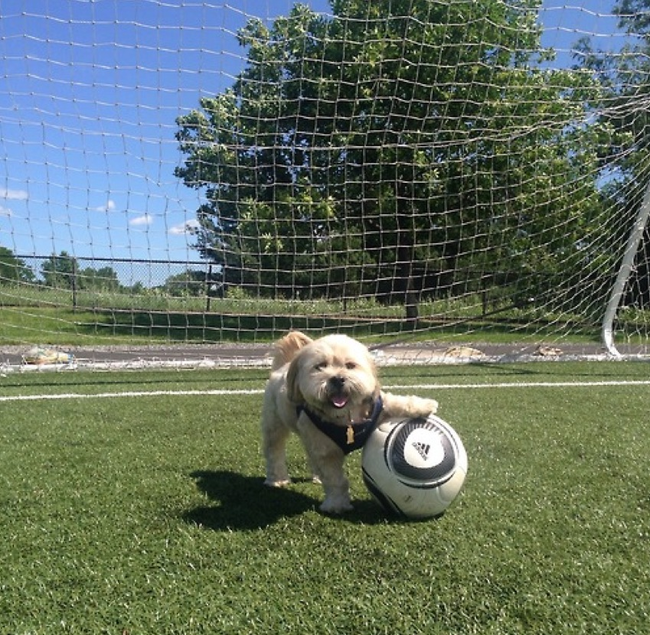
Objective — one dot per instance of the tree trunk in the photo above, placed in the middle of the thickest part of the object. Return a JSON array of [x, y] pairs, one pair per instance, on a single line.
[[407, 284]]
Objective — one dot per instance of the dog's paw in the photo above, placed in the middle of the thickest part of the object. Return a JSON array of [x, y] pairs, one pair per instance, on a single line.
[[431, 405], [330, 506], [277, 483]]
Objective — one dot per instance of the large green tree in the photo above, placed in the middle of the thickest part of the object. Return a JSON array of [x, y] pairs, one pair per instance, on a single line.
[[379, 150]]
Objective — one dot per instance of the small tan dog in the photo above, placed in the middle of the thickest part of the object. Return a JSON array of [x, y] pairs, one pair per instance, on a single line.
[[327, 391]]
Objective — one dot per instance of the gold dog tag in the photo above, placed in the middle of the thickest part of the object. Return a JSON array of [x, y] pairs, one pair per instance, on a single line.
[[350, 435]]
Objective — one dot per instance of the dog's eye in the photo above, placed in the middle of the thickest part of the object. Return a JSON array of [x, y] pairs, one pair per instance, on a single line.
[[350, 365], [320, 365]]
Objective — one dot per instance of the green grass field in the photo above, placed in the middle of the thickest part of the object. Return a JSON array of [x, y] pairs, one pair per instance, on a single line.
[[36, 315], [145, 514]]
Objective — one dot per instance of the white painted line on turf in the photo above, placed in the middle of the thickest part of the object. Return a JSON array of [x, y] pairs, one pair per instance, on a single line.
[[140, 393], [259, 391], [527, 384]]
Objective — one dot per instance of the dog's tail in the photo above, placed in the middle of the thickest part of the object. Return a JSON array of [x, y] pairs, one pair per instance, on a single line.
[[287, 347]]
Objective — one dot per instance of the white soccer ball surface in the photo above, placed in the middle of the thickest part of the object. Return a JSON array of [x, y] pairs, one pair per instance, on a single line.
[[414, 468]]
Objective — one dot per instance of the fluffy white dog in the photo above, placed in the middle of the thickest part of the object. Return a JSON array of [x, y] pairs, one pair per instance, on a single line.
[[327, 391]]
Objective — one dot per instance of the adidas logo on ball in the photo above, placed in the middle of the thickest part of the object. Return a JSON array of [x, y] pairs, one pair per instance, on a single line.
[[423, 449]]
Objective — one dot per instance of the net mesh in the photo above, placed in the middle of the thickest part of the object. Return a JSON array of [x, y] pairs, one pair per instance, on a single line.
[[462, 173]]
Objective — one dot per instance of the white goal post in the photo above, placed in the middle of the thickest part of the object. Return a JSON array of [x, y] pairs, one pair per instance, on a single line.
[[623, 276], [471, 176]]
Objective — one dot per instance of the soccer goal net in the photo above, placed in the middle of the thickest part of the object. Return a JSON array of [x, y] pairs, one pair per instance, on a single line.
[[468, 174]]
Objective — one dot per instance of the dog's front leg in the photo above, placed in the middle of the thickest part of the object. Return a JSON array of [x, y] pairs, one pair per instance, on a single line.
[[335, 483], [408, 406], [326, 460]]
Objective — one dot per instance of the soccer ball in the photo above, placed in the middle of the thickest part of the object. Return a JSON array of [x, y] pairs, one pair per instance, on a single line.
[[414, 468]]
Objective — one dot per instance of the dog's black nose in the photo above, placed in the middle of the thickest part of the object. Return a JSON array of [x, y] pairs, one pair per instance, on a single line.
[[337, 382]]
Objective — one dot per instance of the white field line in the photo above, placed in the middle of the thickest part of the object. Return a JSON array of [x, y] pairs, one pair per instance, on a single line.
[[259, 391]]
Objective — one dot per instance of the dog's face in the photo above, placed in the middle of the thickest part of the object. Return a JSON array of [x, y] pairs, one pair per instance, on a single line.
[[336, 376]]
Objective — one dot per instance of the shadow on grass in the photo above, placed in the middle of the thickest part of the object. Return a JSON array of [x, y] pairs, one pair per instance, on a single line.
[[244, 502]]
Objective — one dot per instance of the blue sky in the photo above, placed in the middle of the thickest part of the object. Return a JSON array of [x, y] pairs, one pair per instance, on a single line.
[[90, 90]]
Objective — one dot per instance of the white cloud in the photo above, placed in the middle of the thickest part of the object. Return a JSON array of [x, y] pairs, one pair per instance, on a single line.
[[188, 227], [110, 206], [13, 195], [145, 219], [5, 211]]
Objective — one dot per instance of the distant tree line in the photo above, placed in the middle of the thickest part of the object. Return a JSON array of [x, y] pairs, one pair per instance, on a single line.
[[62, 271]]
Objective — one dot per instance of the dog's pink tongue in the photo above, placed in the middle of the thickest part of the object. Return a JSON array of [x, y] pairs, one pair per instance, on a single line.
[[339, 401]]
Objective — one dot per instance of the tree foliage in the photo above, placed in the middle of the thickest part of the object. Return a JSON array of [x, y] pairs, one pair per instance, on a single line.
[[62, 271], [59, 271], [623, 108], [389, 148], [12, 269], [104, 279], [187, 283]]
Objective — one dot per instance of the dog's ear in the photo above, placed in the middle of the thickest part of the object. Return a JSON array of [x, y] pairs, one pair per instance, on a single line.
[[293, 389], [372, 368]]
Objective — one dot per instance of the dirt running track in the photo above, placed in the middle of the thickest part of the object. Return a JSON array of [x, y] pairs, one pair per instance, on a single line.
[[258, 355]]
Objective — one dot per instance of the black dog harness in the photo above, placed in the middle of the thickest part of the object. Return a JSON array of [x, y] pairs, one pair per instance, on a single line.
[[350, 437]]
